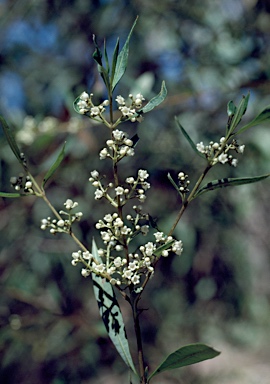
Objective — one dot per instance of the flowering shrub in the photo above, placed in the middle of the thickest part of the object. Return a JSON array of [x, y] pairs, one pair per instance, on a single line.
[[116, 265]]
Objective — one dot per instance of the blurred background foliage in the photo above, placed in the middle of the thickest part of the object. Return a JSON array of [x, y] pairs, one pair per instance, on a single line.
[[218, 291]]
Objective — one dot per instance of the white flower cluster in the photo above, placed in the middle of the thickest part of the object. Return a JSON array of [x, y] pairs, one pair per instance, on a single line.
[[130, 112], [217, 152], [22, 183], [125, 270], [135, 188], [119, 146], [62, 225], [85, 105]]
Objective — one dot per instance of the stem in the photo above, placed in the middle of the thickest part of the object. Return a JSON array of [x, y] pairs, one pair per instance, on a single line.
[[189, 199], [136, 313]]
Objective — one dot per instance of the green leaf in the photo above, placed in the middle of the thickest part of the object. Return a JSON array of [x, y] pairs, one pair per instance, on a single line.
[[230, 182], [155, 101], [11, 141], [174, 184], [111, 314], [190, 141], [55, 165], [97, 55], [6, 194], [261, 118], [187, 355], [240, 111], [114, 60], [163, 247], [75, 106], [106, 58], [122, 59], [231, 108]]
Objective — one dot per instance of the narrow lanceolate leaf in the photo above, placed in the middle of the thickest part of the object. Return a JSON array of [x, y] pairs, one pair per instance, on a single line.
[[163, 247], [6, 194], [11, 140], [190, 141], [174, 183], [111, 314], [187, 355], [240, 111], [55, 165], [122, 59], [97, 55], [114, 59], [155, 101], [230, 182], [261, 118]]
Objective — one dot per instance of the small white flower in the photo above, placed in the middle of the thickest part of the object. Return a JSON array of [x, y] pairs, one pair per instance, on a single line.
[[85, 272], [106, 237], [69, 204], [118, 135], [145, 229], [130, 180], [28, 184], [60, 223], [128, 274], [135, 279], [119, 191], [105, 103], [241, 148], [143, 174], [95, 174], [84, 96], [118, 222], [234, 162], [103, 153], [120, 100], [133, 265], [165, 253], [159, 236], [87, 255], [127, 112], [100, 268], [95, 111], [108, 218], [177, 247], [200, 147], [117, 262], [222, 139], [98, 194], [223, 158]]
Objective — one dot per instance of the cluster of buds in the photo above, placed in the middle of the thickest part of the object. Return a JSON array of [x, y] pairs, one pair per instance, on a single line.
[[63, 224], [86, 105], [183, 182], [22, 183], [130, 112], [218, 152], [136, 188], [119, 146]]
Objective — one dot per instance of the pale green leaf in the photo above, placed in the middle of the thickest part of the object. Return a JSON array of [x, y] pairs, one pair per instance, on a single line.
[[54, 166], [122, 59], [239, 112], [190, 141], [187, 355], [155, 101], [6, 194], [111, 314], [11, 141], [261, 118]]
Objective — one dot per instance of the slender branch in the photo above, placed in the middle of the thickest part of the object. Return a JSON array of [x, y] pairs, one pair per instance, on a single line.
[[189, 199]]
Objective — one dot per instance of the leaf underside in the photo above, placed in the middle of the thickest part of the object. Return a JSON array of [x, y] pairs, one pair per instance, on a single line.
[[111, 314]]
